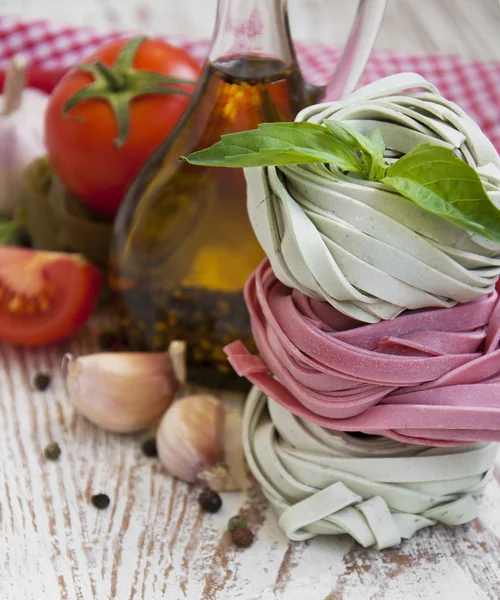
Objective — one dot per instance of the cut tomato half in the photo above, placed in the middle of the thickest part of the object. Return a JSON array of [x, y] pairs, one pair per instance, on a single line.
[[44, 296]]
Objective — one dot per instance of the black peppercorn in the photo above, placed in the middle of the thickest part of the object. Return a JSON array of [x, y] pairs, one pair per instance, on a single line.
[[52, 451], [41, 382], [100, 501], [242, 537], [148, 448], [210, 501], [237, 522]]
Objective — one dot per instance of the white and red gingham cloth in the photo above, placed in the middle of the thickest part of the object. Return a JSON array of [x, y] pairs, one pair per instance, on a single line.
[[473, 84]]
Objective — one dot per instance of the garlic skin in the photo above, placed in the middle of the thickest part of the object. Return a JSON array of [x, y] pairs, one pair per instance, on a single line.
[[189, 436], [124, 391], [199, 441], [21, 134]]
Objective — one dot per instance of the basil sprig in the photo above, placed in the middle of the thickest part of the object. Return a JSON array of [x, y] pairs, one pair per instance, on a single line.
[[430, 175], [280, 144]]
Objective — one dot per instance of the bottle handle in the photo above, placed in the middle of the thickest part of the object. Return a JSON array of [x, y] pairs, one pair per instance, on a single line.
[[358, 47]]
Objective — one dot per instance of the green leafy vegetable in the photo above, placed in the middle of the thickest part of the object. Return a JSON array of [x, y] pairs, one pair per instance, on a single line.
[[274, 144], [439, 182], [372, 149], [8, 232], [431, 176]]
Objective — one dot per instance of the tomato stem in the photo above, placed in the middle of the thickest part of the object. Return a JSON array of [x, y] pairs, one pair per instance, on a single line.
[[113, 78], [122, 83]]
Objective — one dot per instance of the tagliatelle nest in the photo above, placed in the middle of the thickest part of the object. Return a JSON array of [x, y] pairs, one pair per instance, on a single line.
[[356, 244], [376, 490]]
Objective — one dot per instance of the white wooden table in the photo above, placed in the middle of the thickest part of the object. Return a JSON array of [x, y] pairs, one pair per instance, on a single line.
[[153, 542]]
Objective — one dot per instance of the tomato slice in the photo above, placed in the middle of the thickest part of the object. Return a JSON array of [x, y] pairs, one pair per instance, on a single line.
[[44, 296]]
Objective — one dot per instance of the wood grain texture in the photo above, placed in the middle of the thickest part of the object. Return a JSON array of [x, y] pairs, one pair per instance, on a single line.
[[153, 542]]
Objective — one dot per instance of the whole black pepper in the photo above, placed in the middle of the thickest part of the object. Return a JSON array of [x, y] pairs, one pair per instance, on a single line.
[[148, 448], [242, 537], [41, 382], [210, 501], [52, 451], [237, 522], [100, 501]]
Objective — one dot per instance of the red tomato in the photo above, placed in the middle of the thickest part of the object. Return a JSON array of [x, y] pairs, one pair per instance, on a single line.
[[45, 296], [81, 144]]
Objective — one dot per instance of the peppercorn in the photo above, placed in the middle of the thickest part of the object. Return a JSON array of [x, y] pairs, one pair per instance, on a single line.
[[41, 381], [100, 501], [52, 451], [210, 501], [237, 522], [148, 448], [242, 537]]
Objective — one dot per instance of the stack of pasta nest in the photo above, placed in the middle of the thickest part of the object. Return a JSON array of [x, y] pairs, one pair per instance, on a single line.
[[376, 400]]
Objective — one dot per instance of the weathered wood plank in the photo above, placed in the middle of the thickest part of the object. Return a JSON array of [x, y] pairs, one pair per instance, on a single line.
[[154, 542]]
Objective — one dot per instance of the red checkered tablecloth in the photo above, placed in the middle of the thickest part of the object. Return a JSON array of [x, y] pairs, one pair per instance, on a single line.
[[473, 84]]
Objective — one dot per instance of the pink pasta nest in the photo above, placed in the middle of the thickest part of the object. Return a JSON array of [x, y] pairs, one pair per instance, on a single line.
[[428, 376]]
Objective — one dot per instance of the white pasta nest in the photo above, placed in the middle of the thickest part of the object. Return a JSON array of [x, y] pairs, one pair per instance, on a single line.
[[356, 244], [376, 490]]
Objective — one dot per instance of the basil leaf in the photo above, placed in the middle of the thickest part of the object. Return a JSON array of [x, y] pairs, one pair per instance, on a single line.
[[8, 232], [439, 182], [372, 148], [274, 144], [378, 150]]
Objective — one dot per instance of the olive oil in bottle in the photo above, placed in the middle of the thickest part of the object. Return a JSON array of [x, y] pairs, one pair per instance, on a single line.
[[183, 244]]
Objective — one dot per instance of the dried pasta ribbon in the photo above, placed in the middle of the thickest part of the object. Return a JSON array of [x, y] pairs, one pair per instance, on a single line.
[[358, 245], [428, 377], [374, 489]]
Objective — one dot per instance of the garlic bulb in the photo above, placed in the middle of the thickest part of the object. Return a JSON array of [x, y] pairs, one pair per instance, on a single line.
[[127, 391], [199, 441], [21, 134]]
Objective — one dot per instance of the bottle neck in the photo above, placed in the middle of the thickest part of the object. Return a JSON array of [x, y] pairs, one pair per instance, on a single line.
[[252, 27]]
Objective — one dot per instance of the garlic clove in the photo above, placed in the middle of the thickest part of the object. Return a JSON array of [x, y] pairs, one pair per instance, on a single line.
[[177, 354], [189, 436], [15, 80], [199, 441], [21, 134], [127, 391]]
